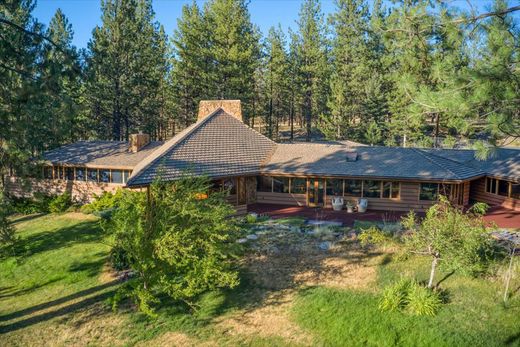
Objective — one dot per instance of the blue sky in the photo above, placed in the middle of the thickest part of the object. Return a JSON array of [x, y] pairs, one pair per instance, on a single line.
[[86, 14]]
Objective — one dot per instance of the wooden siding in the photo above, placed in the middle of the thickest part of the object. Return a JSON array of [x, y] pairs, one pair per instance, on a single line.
[[478, 193], [282, 198], [81, 191]]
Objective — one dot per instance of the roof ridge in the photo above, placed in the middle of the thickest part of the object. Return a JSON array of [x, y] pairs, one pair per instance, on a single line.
[[168, 145], [429, 156]]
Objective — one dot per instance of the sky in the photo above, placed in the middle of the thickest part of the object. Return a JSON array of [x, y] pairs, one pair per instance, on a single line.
[[84, 15]]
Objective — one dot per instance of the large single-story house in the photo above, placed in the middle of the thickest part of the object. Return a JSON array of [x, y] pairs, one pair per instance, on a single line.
[[257, 170]]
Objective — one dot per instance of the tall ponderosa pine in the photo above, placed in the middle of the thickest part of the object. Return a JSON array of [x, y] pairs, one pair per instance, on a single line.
[[313, 65], [351, 66], [277, 81], [126, 67]]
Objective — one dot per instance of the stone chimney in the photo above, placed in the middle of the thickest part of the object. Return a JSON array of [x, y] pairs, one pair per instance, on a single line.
[[138, 141], [232, 107]]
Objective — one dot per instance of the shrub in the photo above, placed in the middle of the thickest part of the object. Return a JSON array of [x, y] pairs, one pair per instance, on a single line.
[[7, 232], [423, 301], [60, 203], [373, 236], [103, 202], [395, 296], [251, 218], [410, 295]]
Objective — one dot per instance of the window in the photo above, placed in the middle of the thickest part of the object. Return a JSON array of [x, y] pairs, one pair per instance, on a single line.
[[92, 175], [58, 172], [491, 185], [298, 185], [69, 173], [372, 189], [334, 187], [445, 190], [126, 174], [280, 185], [515, 190], [429, 191], [503, 188], [104, 176], [117, 176], [80, 174], [264, 184], [391, 190], [47, 172], [352, 188]]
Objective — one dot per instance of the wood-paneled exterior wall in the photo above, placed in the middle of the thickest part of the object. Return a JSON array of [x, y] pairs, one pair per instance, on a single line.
[[81, 191], [478, 193]]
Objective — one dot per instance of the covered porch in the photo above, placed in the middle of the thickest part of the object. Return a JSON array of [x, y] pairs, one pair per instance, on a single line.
[[502, 217]]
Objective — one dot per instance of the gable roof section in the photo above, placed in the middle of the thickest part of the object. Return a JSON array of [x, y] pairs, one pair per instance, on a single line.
[[99, 154], [218, 145], [503, 163], [381, 162]]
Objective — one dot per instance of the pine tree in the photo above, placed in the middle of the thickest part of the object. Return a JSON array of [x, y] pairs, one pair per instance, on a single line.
[[234, 50], [351, 64], [277, 82], [191, 63], [126, 68], [313, 63]]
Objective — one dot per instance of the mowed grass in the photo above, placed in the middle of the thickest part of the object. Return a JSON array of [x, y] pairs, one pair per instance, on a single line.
[[473, 316]]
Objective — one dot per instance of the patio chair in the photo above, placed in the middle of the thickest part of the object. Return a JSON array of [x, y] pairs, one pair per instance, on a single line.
[[362, 205]]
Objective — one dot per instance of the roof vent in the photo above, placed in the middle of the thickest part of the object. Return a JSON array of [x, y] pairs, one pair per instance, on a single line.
[[352, 156]]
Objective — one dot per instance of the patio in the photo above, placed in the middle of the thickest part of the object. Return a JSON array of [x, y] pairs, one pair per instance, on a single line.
[[504, 218]]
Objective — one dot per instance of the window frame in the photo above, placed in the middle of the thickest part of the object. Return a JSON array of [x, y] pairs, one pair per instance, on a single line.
[[436, 198]]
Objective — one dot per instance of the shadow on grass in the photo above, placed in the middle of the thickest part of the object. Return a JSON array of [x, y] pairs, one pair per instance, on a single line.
[[58, 312], [51, 240], [26, 218], [10, 292]]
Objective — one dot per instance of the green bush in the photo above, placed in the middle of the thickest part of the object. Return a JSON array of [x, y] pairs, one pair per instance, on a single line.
[[373, 236], [251, 218], [8, 236], [410, 295], [395, 296], [39, 203], [103, 202], [60, 203], [119, 258], [423, 301]]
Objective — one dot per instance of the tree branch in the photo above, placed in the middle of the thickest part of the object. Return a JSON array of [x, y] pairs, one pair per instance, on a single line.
[[487, 14]]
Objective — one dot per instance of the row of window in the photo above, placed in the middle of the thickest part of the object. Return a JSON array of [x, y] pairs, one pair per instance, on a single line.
[[333, 187], [503, 188], [86, 174]]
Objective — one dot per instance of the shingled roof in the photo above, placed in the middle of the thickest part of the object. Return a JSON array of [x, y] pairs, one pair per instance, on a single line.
[[99, 154], [382, 162], [218, 145], [502, 163]]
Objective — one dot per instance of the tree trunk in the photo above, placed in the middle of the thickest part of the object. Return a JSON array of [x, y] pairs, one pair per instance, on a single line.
[[432, 271]]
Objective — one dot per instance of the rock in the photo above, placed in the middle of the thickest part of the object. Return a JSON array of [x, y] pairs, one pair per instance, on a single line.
[[241, 240], [252, 237], [325, 245]]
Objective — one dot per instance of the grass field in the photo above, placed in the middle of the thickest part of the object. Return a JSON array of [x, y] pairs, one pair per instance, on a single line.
[[55, 291]]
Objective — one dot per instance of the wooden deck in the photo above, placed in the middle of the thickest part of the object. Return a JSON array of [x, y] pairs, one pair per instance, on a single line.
[[502, 217]]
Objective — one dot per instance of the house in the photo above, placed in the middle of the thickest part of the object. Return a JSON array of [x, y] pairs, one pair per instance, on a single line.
[[257, 170]]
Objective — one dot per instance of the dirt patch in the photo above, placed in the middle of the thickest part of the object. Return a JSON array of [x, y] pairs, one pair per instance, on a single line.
[[175, 339], [269, 320]]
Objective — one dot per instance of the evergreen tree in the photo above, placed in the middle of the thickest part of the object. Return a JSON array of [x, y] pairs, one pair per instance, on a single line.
[[313, 62], [234, 51], [191, 63], [351, 64], [277, 81], [126, 66]]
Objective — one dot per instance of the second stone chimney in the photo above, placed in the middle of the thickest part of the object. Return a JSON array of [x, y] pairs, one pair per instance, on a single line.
[[233, 107], [138, 141]]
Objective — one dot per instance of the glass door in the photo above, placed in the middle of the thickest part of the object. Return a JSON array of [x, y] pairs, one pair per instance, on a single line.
[[315, 192]]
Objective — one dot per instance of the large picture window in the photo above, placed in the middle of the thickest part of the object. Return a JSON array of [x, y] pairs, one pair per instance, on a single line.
[[298, 185], [117, 176], [69, 173], [391, 190], [264, 184], [334, 187], [372, 189], [92, 175], [280, 185], [104, 176], [491, 185], [515, 190], [429, 191], [47, 172], [502, 188], [80, 174], [352, 188]]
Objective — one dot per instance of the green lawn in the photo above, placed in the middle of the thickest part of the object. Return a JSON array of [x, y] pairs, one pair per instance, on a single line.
[[56, 291], [473, 316]]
